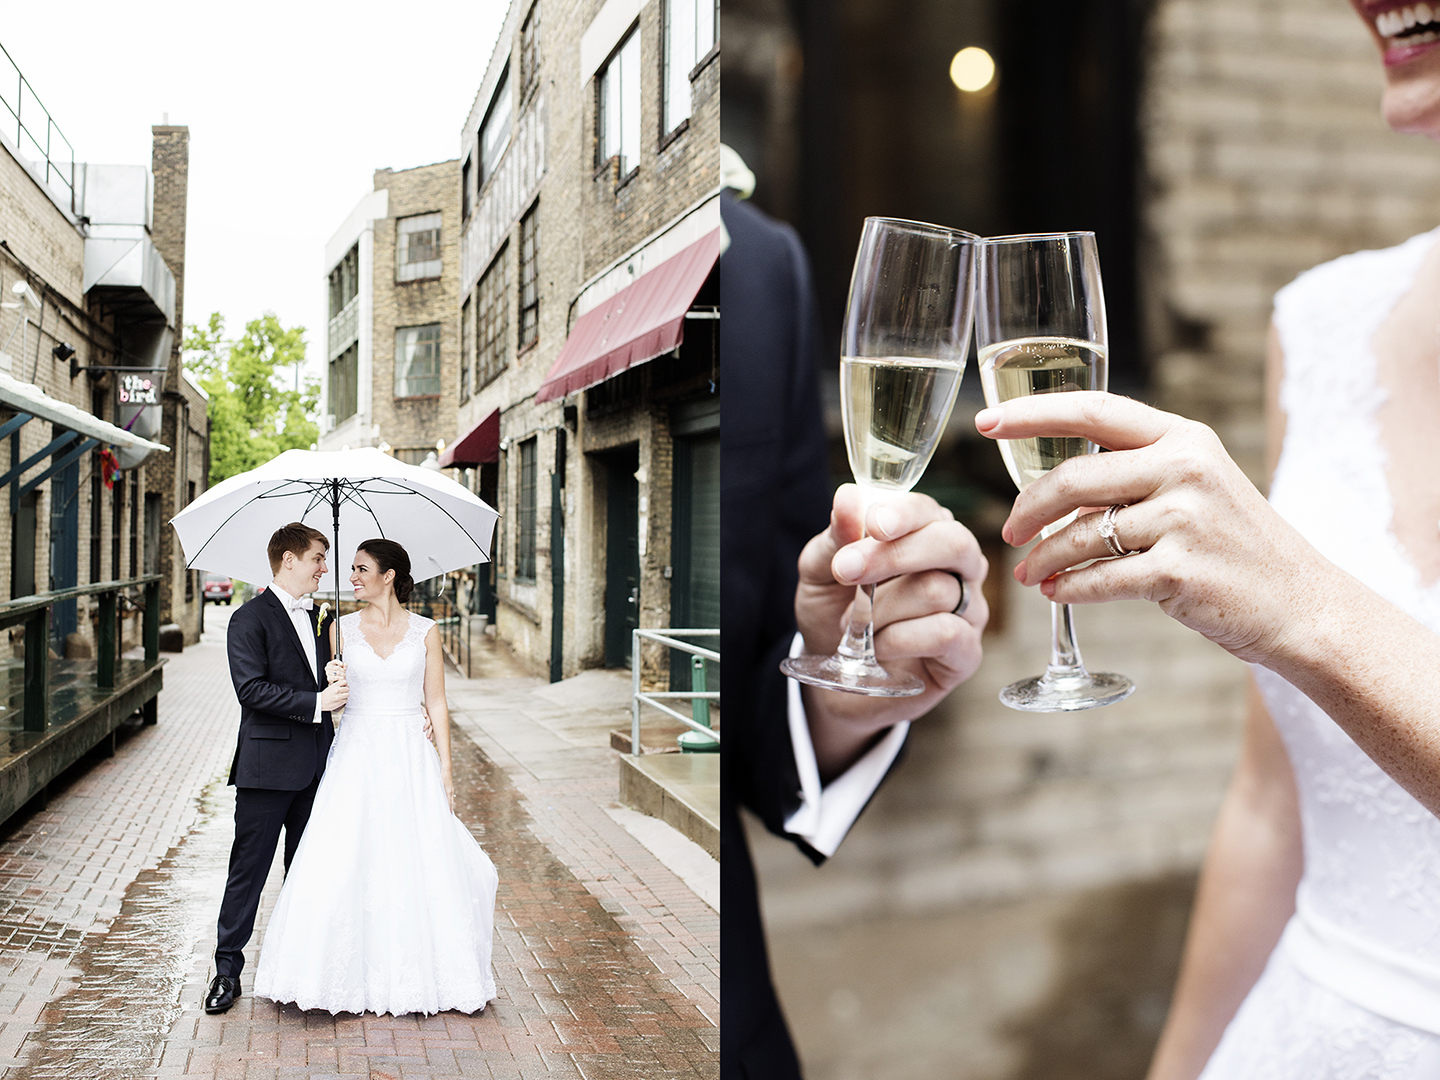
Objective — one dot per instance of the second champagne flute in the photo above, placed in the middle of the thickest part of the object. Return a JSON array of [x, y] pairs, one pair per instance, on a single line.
[[907, 330], [1041, 330]]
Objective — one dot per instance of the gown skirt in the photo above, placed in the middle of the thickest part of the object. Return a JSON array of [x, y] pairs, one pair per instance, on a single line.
[[389, 903]]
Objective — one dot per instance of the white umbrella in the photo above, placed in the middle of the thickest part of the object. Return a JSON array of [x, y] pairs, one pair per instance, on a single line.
[[354, 495]]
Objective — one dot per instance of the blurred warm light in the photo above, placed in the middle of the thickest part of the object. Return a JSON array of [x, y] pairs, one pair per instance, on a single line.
[[972, 69]]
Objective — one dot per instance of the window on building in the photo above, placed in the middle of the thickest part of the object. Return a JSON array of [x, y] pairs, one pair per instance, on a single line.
[[95, 519], [617, 121], [135, 531], [417, 247], [525, 515], [465, 191], [117, 527], [529, 276], [152, 533], [689, 36], [466, 355], [417, 361], [495, 131], [345, 281], [492, 326], [530, 53], [345, 383]]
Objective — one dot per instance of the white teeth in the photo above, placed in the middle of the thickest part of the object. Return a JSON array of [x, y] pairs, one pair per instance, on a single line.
[[1397, 21]]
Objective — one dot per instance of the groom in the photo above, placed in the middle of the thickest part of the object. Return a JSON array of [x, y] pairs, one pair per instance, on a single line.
[[278, 655]]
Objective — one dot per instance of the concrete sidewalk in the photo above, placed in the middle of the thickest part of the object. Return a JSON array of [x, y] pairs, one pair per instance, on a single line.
[[607, 962]]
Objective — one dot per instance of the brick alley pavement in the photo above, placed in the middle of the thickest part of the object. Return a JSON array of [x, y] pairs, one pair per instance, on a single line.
[[607, 939]]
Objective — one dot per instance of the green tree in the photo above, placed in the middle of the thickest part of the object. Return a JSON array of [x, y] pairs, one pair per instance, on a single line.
[[253, 414]]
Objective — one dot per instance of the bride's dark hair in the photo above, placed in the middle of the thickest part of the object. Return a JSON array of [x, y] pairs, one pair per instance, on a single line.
[[389, 555]]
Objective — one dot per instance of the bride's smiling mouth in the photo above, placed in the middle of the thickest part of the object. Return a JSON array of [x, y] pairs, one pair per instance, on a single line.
[[1407, 31]]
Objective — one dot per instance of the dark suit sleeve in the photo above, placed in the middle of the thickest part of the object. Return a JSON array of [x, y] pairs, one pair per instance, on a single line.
[[248, 649], [775, 492]]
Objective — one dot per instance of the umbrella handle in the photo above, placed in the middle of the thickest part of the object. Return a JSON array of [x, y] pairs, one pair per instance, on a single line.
[[335, 513]]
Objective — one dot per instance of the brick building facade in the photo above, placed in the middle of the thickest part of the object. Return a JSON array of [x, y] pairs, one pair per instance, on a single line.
[[102, 250], [392, 343], [607, 486]]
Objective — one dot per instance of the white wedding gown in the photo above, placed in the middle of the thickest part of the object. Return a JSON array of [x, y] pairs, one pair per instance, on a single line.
[[1353, 989], [389, 903]]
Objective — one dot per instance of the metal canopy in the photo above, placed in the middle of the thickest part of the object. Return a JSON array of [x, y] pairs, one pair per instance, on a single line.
[[28, 398]]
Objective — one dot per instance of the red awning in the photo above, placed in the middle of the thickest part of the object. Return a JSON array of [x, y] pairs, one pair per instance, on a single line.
[[640, 322], [478, 446]]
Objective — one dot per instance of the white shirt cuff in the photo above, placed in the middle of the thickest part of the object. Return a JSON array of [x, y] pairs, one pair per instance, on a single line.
[[826, 814], [318, 710]]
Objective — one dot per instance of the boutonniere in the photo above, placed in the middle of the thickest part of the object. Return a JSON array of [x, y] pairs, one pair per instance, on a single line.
[[320, 622]]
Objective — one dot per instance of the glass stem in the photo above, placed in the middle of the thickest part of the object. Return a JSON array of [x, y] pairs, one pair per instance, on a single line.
[[859, 640], [1064, 653], [1065, 661]]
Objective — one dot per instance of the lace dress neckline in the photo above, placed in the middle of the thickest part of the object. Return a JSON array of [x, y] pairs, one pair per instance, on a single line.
[[411, 622]]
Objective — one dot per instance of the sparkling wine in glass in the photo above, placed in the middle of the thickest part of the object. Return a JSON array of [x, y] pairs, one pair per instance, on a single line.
[[907, 331], [1041, 330]]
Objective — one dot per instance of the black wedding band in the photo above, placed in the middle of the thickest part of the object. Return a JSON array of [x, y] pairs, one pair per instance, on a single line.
[[964, 594]]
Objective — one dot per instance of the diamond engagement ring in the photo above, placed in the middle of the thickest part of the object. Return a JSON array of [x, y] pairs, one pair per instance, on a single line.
[[1106, 529]]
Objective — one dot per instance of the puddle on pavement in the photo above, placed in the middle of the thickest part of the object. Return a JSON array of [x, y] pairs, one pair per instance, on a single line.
[[126, 994]]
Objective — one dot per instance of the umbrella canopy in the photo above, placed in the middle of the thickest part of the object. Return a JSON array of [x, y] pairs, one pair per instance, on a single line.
[[440, 523]]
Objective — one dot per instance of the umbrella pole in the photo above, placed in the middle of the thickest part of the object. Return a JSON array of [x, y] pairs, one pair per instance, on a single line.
[[335, 511]]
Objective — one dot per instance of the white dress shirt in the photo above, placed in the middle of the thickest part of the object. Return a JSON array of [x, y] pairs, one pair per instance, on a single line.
[[826, 813], [309, 640]]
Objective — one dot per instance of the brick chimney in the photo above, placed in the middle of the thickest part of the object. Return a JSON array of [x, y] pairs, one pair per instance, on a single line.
[[170, 164]]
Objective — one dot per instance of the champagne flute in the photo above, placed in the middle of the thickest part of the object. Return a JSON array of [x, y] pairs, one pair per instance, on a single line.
[[1041, 330], [906, 335]]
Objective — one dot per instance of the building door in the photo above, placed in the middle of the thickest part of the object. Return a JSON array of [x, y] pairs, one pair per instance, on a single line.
[[695, 539], [64, 548], [483, 598], [622, 554]]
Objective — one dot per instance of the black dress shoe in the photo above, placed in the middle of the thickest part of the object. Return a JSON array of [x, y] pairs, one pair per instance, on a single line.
[[222, 994]]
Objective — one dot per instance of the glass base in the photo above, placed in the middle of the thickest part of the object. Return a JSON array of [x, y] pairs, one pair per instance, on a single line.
[[1067, 693], [850, 676]]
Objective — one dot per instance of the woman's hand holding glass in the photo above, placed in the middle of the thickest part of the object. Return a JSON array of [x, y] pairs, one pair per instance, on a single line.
[[1211, 551]]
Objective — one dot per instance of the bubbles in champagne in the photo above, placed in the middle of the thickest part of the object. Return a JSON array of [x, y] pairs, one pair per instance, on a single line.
[[895, 409], [1041, 365]]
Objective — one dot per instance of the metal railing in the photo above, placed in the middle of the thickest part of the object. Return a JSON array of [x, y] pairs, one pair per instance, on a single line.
[[698, 695], [62, 166], [34, 613], [454, 625]]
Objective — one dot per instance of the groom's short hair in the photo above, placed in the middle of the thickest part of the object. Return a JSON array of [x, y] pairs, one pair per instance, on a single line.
[[296, 537]]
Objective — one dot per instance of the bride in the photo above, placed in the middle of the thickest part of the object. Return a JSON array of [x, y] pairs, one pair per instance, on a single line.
[[1314, 947], [389, 902]]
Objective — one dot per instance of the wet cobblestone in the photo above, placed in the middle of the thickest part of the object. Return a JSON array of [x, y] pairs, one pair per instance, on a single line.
[[607, 965]]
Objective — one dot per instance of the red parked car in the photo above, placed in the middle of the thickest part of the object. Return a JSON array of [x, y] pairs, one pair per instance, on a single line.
[[219, 588]]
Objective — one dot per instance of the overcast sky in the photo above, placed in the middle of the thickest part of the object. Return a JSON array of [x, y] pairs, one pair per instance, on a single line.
[[291, 105]]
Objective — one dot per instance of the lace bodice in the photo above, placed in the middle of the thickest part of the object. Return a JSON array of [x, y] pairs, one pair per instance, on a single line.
[[1372, 853], [388, 685]]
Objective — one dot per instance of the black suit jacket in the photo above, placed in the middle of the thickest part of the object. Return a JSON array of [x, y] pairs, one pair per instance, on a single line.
[[774, 495], [280, 746]]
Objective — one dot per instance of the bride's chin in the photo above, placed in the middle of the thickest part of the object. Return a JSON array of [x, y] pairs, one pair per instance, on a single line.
[[1412, 104]]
